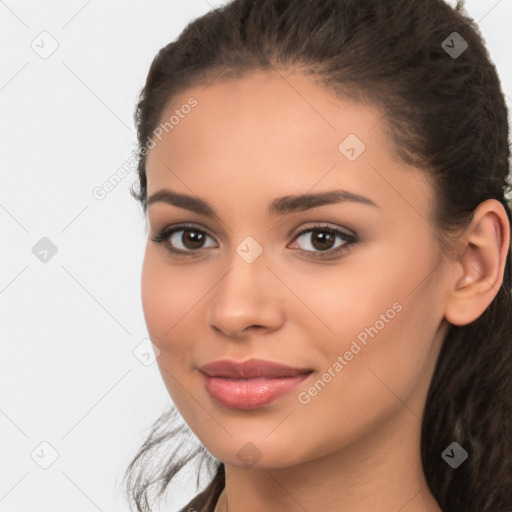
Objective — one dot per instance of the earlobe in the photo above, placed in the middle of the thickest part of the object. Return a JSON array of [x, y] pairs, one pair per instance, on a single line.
[[481, 268]]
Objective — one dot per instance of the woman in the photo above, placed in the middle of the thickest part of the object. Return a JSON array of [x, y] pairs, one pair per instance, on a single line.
[[327, 276]]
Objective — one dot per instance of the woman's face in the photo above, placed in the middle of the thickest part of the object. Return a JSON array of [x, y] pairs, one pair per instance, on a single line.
[[348, 288]]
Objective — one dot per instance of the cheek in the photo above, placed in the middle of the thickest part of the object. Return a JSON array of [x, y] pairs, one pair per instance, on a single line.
[[382, 324], [169, 296], [155, 293], [373, 380]]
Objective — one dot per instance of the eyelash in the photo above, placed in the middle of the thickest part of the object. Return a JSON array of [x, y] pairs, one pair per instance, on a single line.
[[350, 240]]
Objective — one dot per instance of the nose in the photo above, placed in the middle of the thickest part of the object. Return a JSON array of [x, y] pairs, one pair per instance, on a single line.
[[247, 297]]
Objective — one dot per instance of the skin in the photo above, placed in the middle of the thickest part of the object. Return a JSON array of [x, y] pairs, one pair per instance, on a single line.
[[355, 445]]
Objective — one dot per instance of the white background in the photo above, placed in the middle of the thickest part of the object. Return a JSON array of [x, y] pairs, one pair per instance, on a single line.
[[68, 329]]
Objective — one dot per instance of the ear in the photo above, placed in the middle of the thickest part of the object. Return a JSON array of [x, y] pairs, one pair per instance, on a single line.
[[478, 273]]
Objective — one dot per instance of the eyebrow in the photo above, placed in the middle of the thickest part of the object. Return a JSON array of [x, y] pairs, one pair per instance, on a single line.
[[279, 206]]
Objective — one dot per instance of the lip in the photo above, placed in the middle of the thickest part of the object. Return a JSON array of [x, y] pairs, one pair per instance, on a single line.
[[250, 384]]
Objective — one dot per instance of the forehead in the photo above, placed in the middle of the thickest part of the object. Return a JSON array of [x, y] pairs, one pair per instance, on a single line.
[[262, 113], [286, 132]]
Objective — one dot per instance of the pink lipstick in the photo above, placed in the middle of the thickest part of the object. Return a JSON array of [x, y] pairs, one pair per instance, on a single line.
[[250, 384]]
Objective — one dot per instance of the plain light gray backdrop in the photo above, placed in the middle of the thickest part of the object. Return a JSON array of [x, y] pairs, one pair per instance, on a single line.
[[77, 391]]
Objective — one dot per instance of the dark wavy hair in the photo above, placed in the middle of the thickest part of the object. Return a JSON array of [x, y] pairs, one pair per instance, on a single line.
[[444, 114]]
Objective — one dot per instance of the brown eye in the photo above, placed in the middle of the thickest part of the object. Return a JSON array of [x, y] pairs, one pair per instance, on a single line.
[[192, 239], [322, 239], [182, 239]]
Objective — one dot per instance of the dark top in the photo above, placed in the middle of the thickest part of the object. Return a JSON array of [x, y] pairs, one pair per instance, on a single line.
[[206, 500]]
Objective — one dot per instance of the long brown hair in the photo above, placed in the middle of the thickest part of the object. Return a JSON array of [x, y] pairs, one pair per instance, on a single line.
[[445, 114]]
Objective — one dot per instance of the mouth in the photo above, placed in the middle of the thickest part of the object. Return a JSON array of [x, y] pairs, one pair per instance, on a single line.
[[250, 384]]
